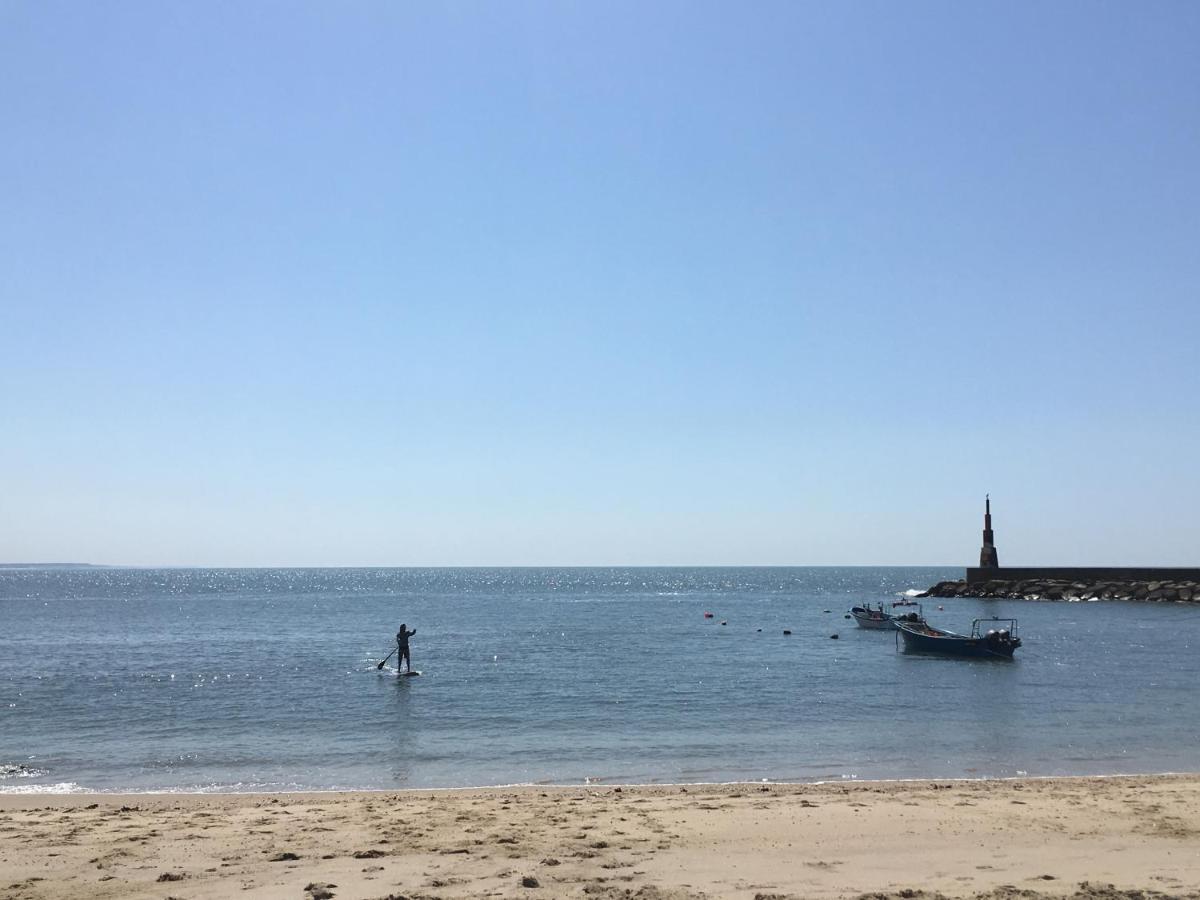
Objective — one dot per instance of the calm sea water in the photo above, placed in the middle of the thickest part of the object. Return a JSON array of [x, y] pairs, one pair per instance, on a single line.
[[186, 679]]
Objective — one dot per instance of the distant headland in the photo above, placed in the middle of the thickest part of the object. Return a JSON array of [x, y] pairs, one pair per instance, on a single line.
[[990, 579]]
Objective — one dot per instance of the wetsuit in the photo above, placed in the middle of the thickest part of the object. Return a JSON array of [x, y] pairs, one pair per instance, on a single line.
[[402, 637]]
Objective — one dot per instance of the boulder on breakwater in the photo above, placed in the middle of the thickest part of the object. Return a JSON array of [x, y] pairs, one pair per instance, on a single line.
[[1059, 589]]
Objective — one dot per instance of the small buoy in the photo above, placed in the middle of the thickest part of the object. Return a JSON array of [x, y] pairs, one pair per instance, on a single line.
[[787, 631], [833, 637], [941, 607], [758, 629], [708, 615]]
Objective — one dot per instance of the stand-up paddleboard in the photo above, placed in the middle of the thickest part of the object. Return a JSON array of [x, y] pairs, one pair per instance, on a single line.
[[388, 670]]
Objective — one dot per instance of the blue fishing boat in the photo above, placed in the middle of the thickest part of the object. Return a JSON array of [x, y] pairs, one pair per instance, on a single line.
[[998, 642]]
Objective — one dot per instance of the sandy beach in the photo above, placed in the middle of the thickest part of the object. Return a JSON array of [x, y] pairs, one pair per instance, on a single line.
[[959, 839]]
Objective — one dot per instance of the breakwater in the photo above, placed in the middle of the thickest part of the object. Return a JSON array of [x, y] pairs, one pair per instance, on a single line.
[[1150, 591], [1086, 574]]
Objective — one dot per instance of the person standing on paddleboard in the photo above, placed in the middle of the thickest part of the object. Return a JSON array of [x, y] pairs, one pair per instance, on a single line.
[[402, 637]]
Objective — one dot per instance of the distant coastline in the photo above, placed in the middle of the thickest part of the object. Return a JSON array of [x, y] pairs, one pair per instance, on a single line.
[[44, 565]]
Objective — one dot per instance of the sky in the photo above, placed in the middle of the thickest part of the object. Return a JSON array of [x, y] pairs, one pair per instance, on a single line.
[[620, 283]]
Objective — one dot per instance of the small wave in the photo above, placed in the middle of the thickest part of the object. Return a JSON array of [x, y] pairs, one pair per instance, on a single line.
[[912, 592], [19, 770], [63, 787]]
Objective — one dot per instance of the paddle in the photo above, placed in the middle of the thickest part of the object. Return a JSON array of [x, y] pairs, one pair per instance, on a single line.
[[384, 660]]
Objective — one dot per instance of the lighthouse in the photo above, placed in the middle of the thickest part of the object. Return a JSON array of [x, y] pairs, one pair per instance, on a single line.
[[987, 555]]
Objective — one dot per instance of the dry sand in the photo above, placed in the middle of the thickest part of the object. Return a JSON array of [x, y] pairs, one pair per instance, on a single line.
[[1007, 839]]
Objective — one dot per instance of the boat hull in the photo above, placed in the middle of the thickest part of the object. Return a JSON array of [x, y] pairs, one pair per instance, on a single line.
[[872, 622], [931, 640]]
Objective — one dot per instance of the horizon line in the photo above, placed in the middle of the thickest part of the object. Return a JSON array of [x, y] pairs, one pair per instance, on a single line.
[[71, 565]]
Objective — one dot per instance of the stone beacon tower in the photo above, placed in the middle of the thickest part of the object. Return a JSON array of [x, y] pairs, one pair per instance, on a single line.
[[987, 555]]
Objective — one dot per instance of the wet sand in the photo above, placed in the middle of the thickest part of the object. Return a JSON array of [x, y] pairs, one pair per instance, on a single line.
[[1024, 838]]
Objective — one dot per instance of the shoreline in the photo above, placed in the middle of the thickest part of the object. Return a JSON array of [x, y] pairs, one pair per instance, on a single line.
[[15, 791], [959, 838]]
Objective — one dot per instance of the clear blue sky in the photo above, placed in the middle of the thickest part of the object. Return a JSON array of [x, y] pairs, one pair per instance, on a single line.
[[592, 283]]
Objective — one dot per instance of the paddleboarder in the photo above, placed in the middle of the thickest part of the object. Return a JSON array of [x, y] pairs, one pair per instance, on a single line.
[[402, 637]]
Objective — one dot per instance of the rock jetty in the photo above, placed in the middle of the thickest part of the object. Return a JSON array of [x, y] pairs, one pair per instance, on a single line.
[[1057, 589]]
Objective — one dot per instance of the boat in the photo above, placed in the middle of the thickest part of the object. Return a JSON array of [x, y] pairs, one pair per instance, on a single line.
[[998, 642], [881, 619]]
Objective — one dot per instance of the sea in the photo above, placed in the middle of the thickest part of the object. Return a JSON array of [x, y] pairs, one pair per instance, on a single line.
[[261, 680]]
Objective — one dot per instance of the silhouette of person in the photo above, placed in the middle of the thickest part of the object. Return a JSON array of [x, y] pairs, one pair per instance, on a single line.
[[402, 637]]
